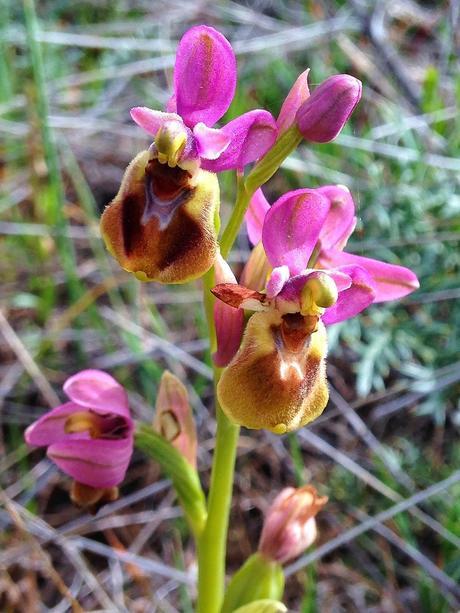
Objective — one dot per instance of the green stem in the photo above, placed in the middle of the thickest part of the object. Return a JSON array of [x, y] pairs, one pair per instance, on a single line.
[[213, 542]]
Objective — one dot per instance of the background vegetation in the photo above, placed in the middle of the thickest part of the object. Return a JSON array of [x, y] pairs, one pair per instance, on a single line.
[[385, 450]]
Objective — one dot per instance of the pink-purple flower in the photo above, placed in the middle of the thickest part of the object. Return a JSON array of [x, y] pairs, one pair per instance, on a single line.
[[204, 86], [316, 224], [90, 437]]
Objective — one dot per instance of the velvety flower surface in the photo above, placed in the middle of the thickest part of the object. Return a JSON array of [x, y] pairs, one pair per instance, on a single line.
[[161, 224], [90, 437]]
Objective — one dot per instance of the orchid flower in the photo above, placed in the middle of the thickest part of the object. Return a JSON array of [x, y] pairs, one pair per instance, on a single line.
[[276, 380], [204, 86], [162, 225], [389, 281], [90, 437]]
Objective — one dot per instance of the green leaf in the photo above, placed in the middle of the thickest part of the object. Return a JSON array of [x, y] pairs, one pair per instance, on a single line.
[[185, 478]]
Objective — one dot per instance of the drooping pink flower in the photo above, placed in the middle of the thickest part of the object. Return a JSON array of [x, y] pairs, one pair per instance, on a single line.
[[290, 525], [323, 114], [204, 86], [90, 437]]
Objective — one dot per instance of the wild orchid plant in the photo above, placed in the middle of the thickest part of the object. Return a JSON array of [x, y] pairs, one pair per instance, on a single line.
[[268, 334]]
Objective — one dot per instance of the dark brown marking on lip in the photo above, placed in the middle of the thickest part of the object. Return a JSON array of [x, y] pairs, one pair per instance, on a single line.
[[184, 234], [165, 182], [131, 212]]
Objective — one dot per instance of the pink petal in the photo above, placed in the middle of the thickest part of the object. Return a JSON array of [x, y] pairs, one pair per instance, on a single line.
[[251, 134], [204, 76], [353, 300], [255, 216], [296, 97], [391, 281], [341, 220], [97, 390], [276, 281], [50, 427], [210, 142], [292, 227], [95, 462], [323, 115], [228, 320], [150, 120]]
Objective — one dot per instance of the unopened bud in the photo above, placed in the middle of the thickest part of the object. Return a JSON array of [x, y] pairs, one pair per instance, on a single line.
[[323, 115], [290, 525], [174, 417]]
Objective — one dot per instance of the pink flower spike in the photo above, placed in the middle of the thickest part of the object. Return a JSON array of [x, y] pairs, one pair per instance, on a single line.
[[341, 219], [251, 135], [276, 281], [151, 121], [292, 227], [211, 142], [354, 299], [255, 215], [91, 437], [228, 320], [323, 115], [204, 76], [390, 280], [297, 96]]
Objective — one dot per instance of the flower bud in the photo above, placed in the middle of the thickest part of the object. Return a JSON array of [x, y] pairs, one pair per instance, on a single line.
[[258, 579], [174, 417], [322, 116], [277, 380], [161, 224], [290, 525]]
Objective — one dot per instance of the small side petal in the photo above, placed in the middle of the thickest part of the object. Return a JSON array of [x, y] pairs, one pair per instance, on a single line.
[[251, 135], [50, 427], [341, 220], [353, 300], [204, 76], [296, 97], [94, 462], [292, 227], [276, 281], [97, 390], [228, 320], [150, 120], [255, 215], [240, 297], [390, 280], [210, 141]]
